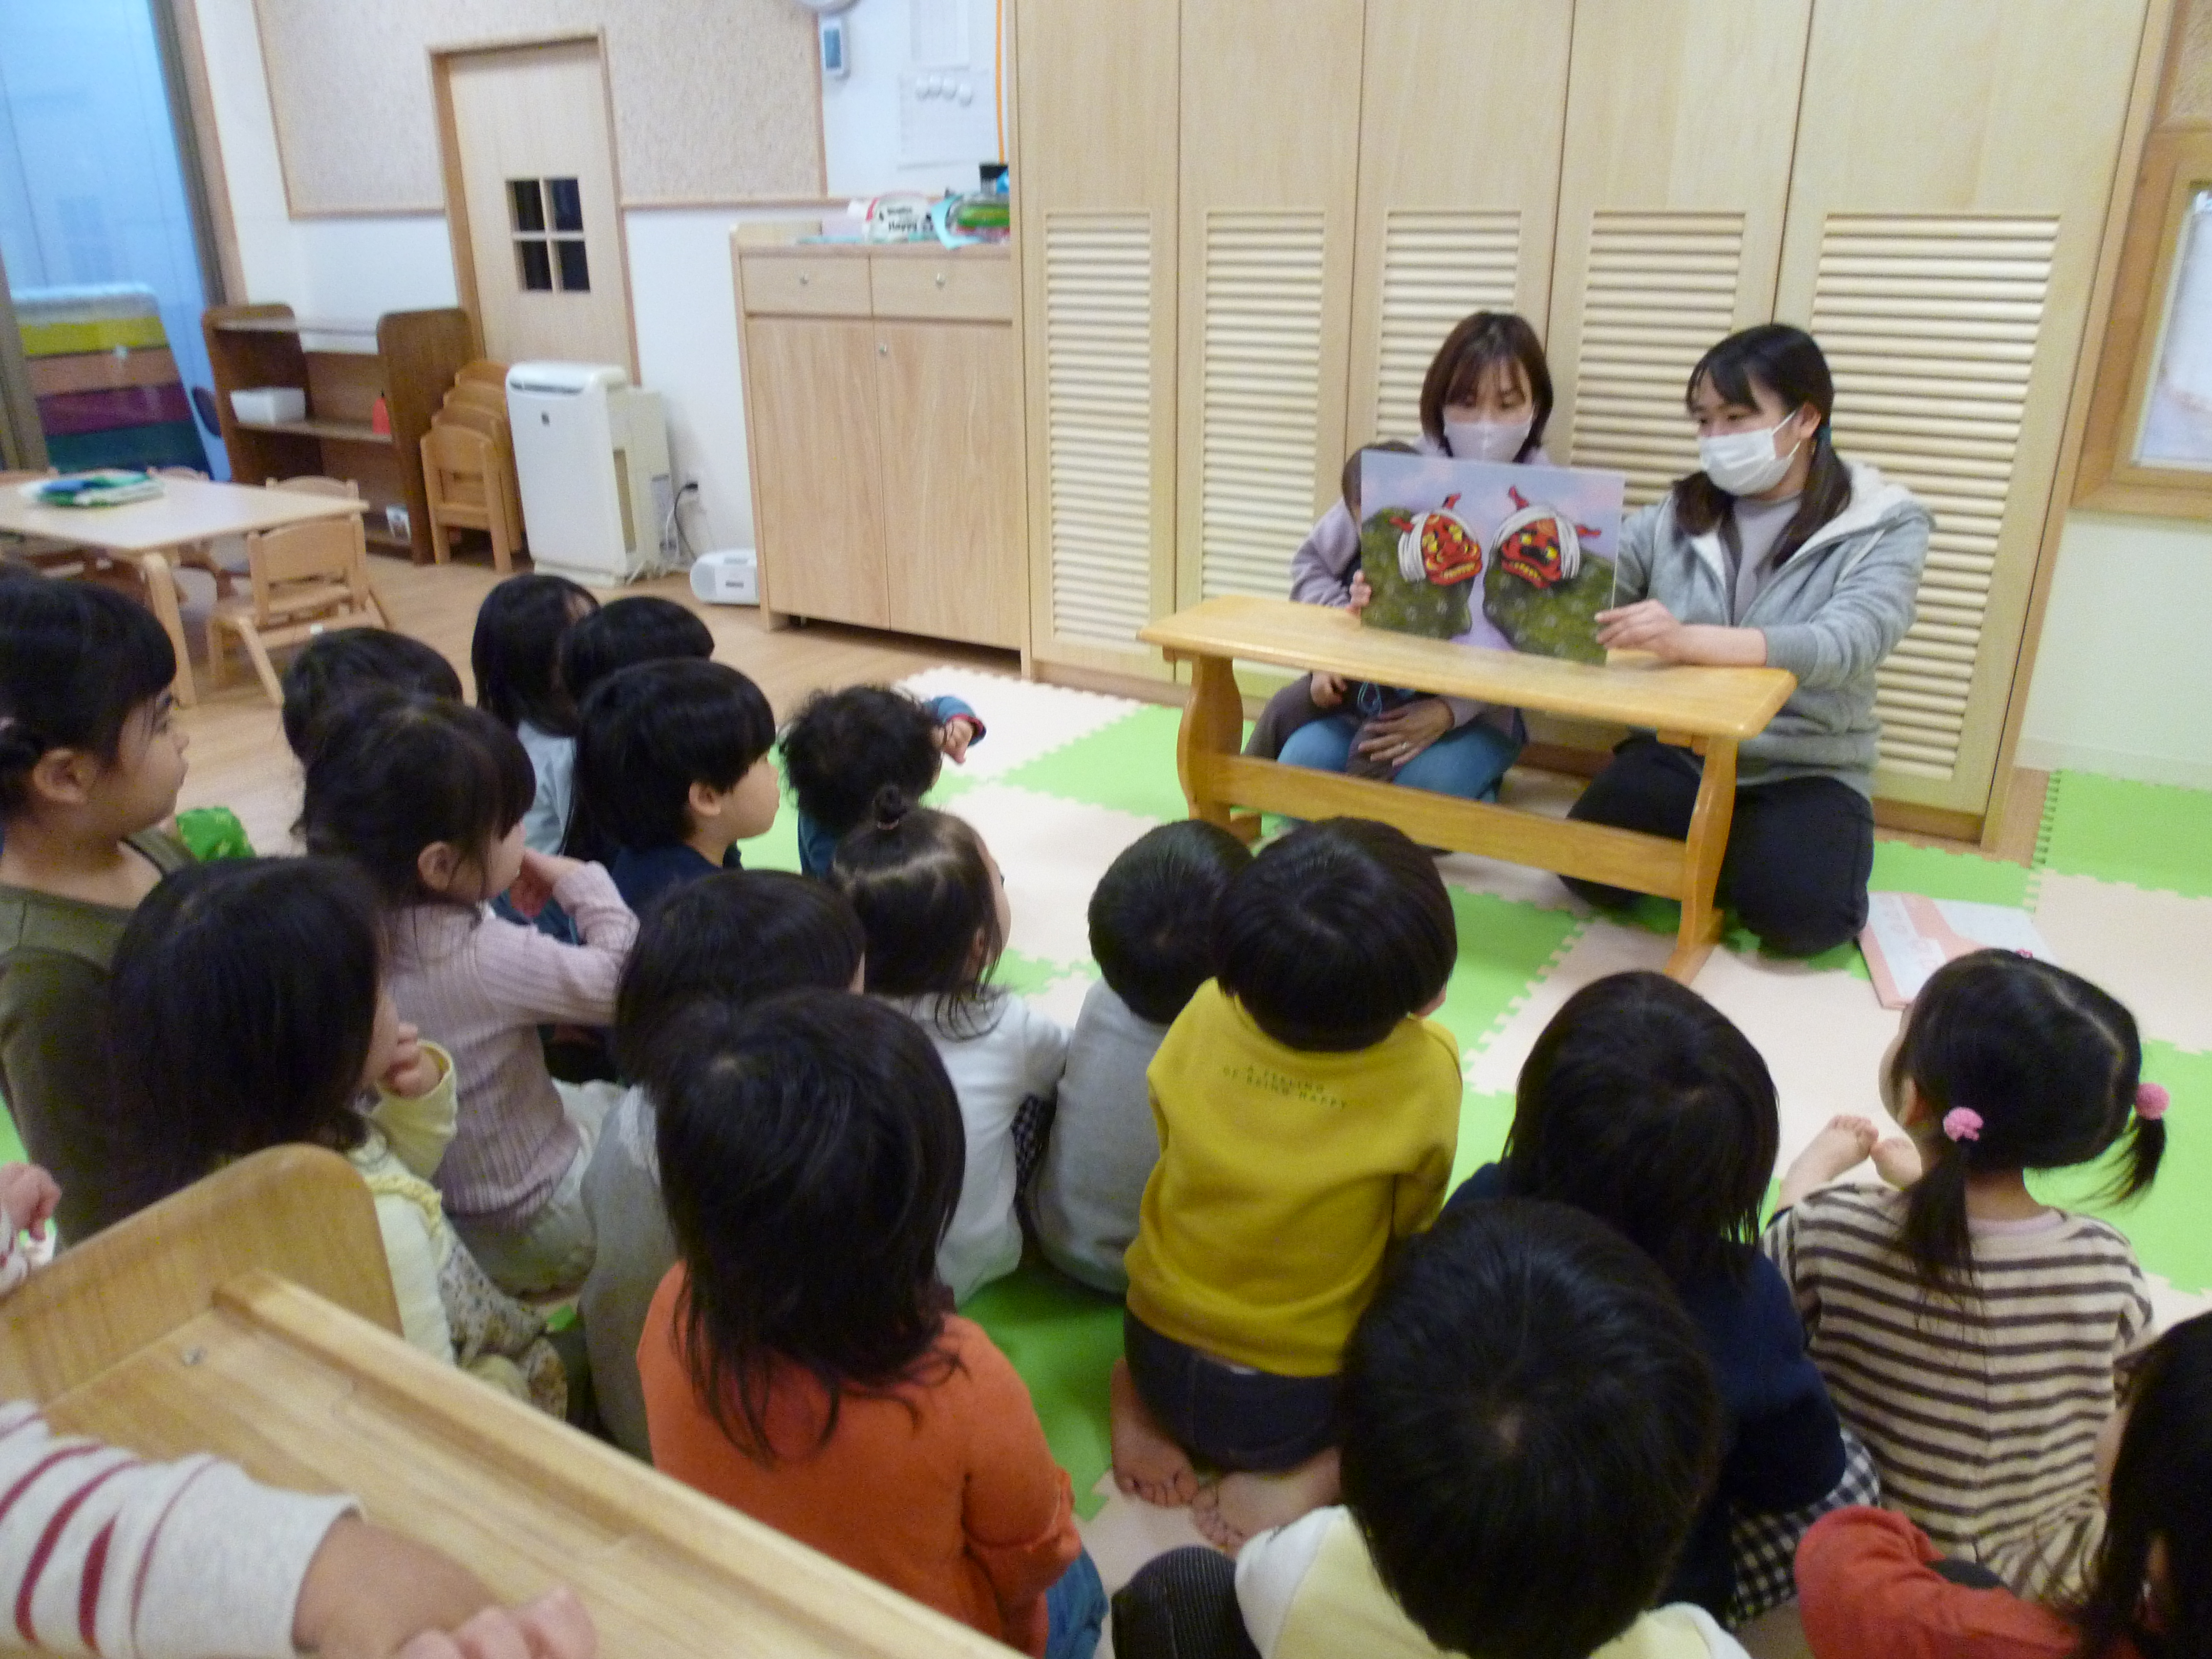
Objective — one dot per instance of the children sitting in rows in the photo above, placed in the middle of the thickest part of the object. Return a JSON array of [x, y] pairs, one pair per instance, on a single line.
[[332, 667], [1871, 1585], [1642, 1104], [1308, 1114], [799, 1362], [90, 764], [845, 746], [516, 657], [623, 633], [1152, 932], [1970, 1332], [933, 906], [428, 797], [734, 938], [672, 771]]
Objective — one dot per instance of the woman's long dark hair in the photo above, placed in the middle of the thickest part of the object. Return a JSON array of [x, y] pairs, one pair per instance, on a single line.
[[1788, 363], [1456, 372], [810, 1155], [2159, 1484]]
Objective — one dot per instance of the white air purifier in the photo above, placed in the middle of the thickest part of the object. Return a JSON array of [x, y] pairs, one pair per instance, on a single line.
[[731, 576], [591, 452]]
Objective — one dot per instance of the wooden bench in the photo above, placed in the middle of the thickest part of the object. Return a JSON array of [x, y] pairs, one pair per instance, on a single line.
[[1708, 711], [252, 1316]]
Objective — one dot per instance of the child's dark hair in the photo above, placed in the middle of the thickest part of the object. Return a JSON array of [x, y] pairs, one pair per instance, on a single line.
[[516, 651], [1333, 934], [736, 937], [1455, 372], [1151, 914], [1789, 363], [76, 661], [648, 733], [1643, 1105], [2159, 1480], [333, 667], [395, 772], [251, 984], [1348, 480], [922, 887], [843, 746], [811, 1158], [2047, 1063], [1530, 1426], [623, 633]]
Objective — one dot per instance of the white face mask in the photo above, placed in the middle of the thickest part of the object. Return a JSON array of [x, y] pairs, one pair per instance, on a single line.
[[1485, 441], [1744, 463]]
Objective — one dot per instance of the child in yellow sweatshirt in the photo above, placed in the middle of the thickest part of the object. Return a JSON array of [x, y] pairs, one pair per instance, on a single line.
[[1308, 1114]]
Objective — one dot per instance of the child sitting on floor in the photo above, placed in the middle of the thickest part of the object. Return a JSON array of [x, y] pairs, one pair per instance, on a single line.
[[844, 746], [1872, 1586], [259, 1017], [1529, 1427], [672, 771], [933, 906], [799, 1362], [734, 938], [1642, 1104], [90, 764], [1308, 1114], [1968, 1332], [626, 632], [1151, 931], [427, 797], [332, 667], [516, 657]]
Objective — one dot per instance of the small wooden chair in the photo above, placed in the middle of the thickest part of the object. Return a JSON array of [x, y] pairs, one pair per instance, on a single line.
[[315, 483], [306, 578], [47, 555], [479, 394], [483, 372], [200, 555], [464, 475]]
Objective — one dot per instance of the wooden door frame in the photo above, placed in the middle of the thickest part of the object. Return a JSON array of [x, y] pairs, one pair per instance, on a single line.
[[456, 197]]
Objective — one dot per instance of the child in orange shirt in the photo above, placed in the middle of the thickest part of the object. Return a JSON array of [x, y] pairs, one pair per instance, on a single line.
[[801, 1362]]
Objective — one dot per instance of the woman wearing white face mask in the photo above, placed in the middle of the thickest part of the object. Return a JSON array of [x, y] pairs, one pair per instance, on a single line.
[[1486, 398], [1778, 553]]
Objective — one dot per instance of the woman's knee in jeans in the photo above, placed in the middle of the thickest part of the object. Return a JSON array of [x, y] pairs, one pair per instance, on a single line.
[[1468, 763], [1324, 745]]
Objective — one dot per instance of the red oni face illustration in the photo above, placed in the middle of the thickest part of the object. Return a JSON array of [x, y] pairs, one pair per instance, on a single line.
[[1532, 553], [1448, 550]]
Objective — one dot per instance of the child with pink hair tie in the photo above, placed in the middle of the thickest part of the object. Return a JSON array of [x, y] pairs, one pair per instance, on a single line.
[[1969, 1333]]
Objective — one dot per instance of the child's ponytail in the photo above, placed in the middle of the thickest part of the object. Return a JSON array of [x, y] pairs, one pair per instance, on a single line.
[[925, 893]]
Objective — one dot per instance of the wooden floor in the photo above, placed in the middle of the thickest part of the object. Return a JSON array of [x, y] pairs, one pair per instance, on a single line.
[[238, 758]]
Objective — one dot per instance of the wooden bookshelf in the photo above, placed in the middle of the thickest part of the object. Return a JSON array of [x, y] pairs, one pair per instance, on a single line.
[[408, 357]]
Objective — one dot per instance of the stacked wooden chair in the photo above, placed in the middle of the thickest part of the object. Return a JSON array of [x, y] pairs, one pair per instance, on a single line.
[[305, 579], [468, 465]]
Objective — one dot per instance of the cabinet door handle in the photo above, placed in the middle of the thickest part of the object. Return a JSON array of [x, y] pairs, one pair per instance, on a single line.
[[882, 350], [803, 279], [941, 279]]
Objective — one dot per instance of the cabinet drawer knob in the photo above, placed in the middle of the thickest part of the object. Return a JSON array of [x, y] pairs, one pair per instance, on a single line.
[[941, 279], [803, 279]]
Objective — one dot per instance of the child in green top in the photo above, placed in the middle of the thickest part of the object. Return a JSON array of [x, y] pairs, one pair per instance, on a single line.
[[90, 764]]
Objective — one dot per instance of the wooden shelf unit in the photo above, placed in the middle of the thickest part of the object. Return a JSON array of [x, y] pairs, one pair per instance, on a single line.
[[415, 356]]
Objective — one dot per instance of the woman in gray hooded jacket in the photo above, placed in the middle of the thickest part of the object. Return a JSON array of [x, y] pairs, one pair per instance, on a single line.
[[1778, 553]]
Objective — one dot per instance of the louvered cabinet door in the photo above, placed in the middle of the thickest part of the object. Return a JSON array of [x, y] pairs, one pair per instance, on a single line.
[[1461, 114], [1675, 178], [1096, 133], [1947, 198], [1270, 143]]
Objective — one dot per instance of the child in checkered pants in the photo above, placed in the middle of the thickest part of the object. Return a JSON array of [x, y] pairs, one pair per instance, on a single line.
[[1643, 1105]]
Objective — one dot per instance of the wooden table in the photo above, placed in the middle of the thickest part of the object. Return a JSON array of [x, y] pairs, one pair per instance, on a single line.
[[187, 510], [1708, 711]]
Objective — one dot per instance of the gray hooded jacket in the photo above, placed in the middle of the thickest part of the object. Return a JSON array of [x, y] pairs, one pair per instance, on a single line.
[[1830, 614]]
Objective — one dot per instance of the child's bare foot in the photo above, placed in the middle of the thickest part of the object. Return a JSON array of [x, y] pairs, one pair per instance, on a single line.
[[1897, 1160], [1239, 1506], [1147, 1464], [1845, 1142]]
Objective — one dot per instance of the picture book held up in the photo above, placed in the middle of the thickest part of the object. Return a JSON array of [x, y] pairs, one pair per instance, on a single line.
[[1497, 555]]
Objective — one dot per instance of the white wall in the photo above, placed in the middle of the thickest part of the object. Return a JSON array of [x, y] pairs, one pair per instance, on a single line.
[[2123, 679], [860, 113]]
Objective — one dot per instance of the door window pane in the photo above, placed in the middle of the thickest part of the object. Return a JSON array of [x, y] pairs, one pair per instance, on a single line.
[[2177, 422], [529, 207], [575, 272], [535, 269], [567, 203]]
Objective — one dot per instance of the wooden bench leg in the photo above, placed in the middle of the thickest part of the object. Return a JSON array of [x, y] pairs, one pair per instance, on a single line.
[[1702, 852], [1213, 724]]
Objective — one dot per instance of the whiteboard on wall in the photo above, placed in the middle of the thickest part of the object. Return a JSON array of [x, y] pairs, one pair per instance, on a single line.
[[715, 101]]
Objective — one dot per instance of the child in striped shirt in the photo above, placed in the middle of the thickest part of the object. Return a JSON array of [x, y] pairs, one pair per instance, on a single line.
[[1969, 1334]]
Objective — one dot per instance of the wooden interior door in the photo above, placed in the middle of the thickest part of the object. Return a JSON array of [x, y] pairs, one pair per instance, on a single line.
[[1460, 117], [1947, 206], [818, 468], [1270, 179], [954, 551], [1094, 127], [537, 238], [1681, 116]]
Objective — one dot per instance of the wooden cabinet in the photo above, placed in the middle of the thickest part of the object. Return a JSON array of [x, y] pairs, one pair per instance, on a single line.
[[884, 398]]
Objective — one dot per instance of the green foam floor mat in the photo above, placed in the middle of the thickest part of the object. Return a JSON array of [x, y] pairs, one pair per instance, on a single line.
[[1127, 767], [1063, 1338], [2146, 834]]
